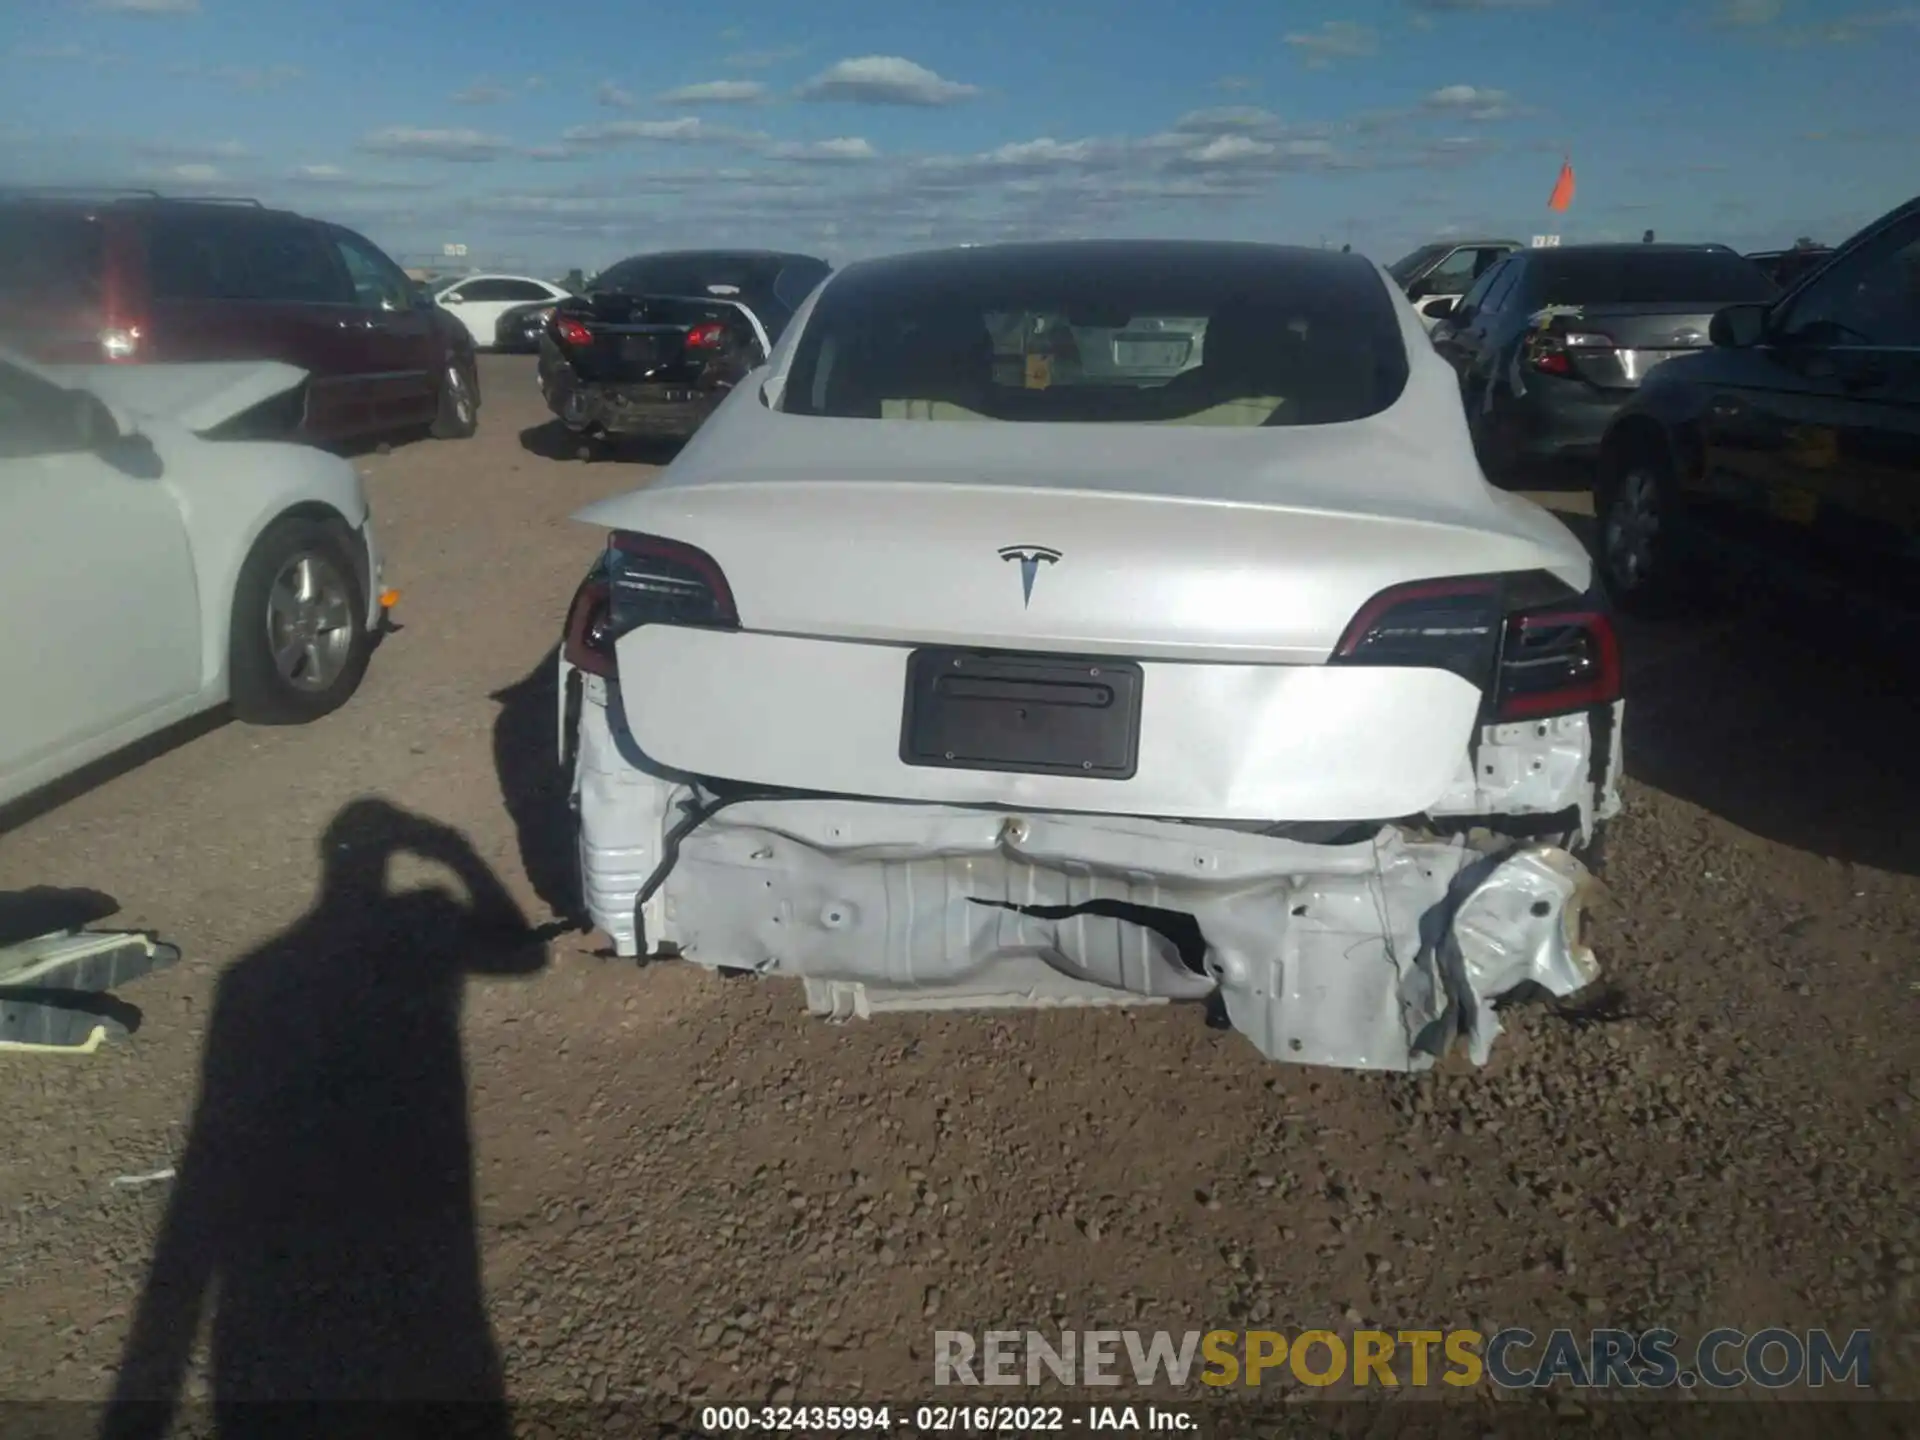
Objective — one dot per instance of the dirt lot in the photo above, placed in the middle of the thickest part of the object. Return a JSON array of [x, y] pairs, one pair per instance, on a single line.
[[687, 1187]]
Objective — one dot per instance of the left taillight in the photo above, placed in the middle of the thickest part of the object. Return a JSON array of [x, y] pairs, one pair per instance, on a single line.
[[1552, 353], [1533, 647], [706, 337], [570, 331], [644, 580]]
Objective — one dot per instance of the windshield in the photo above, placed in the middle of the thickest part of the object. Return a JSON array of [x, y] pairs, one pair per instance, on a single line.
[[1633, 277], [1204, 335], [1408, 266]]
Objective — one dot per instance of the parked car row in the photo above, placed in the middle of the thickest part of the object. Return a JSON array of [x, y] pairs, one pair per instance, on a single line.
[[1760, 409], [132, 278]]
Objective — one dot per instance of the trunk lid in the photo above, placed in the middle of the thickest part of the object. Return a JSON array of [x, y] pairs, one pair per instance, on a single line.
[[1615, 346], [643, 338], [1252, 546]]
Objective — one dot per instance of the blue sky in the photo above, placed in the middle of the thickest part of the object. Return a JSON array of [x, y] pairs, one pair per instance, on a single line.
[[547, 136]]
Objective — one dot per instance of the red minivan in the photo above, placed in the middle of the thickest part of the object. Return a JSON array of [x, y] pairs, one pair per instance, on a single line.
[[136, 278]]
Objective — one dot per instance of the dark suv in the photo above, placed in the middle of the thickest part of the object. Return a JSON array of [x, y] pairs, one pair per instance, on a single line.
[[133, 278]]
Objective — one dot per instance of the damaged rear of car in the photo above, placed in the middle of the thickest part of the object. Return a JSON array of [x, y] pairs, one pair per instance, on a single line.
[[659, 340], [935, 676]]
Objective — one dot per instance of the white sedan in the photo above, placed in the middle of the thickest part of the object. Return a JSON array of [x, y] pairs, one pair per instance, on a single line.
[[150, 571], [943, 669], [478, 301]]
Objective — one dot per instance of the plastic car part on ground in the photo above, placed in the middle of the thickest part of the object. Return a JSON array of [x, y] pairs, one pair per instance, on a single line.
[[55, 988]]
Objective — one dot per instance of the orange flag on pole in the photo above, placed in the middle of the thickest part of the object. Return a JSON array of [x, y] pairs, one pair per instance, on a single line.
[[1562, 195]]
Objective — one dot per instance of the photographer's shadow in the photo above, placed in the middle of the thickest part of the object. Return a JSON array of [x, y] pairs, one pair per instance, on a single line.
[[324, 1206]]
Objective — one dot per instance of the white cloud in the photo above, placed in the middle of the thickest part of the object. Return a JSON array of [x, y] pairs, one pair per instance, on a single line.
[[845, 148], [189, 151], [1227, 119], [613, 97], [192, 173], [408, 142], [482, 92], [765, 59], [885, 80], [1335, 40], [255, 79], [1475, 102], [716, 92], [337, 177], [687, 129]]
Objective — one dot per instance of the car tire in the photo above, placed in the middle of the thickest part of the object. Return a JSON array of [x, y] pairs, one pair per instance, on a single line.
[[1635, 513], [458, 415], [298, 641]]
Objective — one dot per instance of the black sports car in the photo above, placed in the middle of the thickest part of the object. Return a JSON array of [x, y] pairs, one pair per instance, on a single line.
[[658, 340]]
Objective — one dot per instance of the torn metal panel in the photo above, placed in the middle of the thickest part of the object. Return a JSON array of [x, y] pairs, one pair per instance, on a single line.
[[1323, 954], [1521, 925], [1541, 767], [1351, 955]]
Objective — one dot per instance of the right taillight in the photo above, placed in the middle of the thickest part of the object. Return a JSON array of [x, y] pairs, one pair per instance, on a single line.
[[570, 331], [1531, 645], [644, 580], [1557, 660]]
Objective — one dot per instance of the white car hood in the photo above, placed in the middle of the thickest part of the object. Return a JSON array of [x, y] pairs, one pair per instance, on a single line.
[[194, 397]]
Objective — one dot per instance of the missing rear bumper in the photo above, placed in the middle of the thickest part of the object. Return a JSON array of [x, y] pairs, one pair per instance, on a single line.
[[1375, 955]]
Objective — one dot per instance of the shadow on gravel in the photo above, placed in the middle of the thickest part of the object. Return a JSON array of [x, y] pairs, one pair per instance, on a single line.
[[1797, 737], [534, 786], [554, 441], [324, 1208], [1778, 716]]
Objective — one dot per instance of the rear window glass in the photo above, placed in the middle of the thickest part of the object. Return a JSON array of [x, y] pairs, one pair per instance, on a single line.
[[724, 277], [1626, 277], [51, 255], [1232, 336]]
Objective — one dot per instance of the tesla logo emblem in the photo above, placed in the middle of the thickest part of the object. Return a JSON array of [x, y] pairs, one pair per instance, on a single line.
[[1031, 558]]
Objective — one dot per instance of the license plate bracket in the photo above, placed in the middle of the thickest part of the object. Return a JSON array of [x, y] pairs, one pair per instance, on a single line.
[[1022, 714]]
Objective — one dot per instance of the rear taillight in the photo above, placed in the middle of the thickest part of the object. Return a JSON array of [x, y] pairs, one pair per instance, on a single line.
[[1531, 659], [1449, 625], [570, 331], [1556, 661], [644, 580], [120, 342], [1552, 354], [706, 337]]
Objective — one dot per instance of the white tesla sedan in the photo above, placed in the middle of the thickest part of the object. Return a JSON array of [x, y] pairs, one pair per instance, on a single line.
[[945, 668], [149, 571]]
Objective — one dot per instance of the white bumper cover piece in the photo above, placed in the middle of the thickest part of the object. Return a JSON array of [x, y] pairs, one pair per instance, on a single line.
[[1374, 955]]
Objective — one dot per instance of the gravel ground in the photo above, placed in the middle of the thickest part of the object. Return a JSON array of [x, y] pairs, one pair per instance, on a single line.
[[683, 1186]]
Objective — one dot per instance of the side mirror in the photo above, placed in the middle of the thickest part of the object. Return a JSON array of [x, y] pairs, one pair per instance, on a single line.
[[1739, 327], [1418, 291], [1442, 309], [771, 389]]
